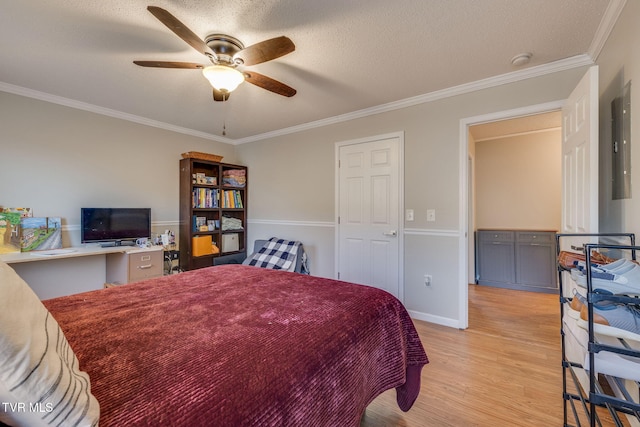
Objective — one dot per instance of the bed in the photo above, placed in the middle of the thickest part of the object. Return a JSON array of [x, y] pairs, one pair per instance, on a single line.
[[230, 345]]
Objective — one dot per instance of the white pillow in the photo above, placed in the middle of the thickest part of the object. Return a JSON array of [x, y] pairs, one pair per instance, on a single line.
[[40, 380]]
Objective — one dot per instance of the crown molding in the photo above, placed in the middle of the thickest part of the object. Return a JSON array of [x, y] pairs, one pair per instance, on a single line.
[[67, 102], [611, 15], [515, 76], [532, 72]]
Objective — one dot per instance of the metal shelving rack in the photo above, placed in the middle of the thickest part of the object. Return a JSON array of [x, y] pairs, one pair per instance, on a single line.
[[591, 399]]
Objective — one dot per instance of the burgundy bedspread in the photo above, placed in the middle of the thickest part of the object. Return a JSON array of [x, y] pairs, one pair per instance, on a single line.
[[241, 346]]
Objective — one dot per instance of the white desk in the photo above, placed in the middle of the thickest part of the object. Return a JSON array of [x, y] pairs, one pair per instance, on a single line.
[[66, 271]]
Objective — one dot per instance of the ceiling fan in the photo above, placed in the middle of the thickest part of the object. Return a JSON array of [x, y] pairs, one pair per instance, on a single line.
[[226, 53]]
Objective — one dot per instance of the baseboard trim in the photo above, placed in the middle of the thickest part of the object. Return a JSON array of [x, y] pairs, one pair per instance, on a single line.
[[431, 318]]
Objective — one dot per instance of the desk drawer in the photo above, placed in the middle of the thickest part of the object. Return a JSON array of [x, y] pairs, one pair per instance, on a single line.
[[145, 265]]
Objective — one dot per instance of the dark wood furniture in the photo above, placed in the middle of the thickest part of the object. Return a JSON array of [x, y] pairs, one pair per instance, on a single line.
[[211, 202]]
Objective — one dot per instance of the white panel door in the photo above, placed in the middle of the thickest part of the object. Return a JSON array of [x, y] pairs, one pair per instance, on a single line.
[[580, 159], [369, 213]]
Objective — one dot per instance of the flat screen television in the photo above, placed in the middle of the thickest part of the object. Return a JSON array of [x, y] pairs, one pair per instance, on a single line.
[[114, 226]]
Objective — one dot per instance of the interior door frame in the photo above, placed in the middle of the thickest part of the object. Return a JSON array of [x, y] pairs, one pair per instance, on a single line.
[[400, 136], [466, 235]]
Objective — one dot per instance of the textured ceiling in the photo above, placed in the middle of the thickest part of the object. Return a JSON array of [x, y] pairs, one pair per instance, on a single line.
[[351, 55]]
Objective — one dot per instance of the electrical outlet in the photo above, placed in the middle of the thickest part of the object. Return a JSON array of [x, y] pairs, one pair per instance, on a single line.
[[431, 215], [427, 279], [408, 215]]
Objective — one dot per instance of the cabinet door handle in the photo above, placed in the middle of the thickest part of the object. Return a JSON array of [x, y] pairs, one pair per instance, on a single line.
[[144, 267], [534, 244]]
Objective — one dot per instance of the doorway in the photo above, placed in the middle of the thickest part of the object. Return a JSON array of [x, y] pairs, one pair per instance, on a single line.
[[490, 123], [515, 180]]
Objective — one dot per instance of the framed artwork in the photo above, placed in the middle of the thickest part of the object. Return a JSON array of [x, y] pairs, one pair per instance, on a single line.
[[9, 232], [39, 234]]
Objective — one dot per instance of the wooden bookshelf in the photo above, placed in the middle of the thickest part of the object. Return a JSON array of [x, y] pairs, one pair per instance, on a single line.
[[212, 195]]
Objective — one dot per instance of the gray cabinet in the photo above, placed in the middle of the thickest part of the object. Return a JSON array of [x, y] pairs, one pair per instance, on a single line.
[[516, 259], [536, 259], [496, 258]]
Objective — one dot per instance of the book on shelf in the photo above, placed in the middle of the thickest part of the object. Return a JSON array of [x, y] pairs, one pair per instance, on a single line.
[[226, 201], [232, 199], [205, 198]]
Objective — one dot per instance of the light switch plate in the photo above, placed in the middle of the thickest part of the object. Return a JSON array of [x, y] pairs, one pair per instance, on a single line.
[[431, 215]]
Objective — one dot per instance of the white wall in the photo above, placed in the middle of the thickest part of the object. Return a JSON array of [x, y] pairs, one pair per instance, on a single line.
[[519, 182]]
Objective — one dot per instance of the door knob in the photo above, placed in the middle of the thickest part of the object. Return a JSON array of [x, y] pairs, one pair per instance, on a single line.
[[392, 233]]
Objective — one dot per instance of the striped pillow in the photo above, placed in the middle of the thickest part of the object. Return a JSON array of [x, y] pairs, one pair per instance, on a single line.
[[40, 380]]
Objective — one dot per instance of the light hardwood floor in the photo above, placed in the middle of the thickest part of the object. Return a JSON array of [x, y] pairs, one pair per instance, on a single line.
[[505, 370]]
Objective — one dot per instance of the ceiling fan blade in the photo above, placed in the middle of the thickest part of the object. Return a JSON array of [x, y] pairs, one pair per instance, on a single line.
[[219, 95], [181, 30], [269, 84], [169, 64], [265, 51]]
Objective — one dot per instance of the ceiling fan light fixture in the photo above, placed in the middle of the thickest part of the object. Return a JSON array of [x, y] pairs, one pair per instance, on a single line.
[[223, 78]]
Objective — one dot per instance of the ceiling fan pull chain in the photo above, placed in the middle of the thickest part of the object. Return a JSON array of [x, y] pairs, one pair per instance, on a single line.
[[225, 113], [224, 118]]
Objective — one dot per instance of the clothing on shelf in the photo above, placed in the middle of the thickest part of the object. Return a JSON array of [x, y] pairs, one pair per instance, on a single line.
[[234, 177], [230, 223]]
